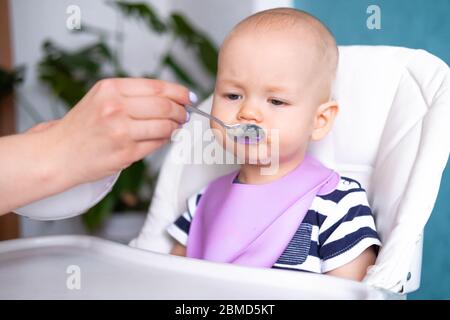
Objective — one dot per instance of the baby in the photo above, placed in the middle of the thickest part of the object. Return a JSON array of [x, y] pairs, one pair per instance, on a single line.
[[276, 70]]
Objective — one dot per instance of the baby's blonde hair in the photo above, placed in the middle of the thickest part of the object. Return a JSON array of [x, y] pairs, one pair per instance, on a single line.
[[290, 18]]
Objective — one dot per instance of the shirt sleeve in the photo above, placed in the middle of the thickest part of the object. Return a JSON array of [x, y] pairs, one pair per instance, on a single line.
[[347, 231], [179, 230]]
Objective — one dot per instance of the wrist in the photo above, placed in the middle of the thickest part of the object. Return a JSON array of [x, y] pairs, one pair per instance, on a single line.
[[51, 156]]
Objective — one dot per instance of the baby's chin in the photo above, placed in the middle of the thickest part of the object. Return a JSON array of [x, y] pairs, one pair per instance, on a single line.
[[250, 153]]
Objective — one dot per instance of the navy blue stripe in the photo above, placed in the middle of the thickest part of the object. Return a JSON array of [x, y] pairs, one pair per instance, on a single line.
[[314, 249], [356, 211], [292, 269], [198, 199], [183, 224], [314, 218], [298, 248], [344, 244]]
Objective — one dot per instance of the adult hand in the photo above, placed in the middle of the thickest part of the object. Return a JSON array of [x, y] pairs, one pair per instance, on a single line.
[[118, 122]]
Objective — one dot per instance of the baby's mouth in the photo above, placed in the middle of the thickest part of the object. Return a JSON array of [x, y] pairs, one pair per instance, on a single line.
[[245, 140], [246, 133]]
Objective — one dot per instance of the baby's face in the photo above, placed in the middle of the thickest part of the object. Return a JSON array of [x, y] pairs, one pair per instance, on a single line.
[[267, 80]]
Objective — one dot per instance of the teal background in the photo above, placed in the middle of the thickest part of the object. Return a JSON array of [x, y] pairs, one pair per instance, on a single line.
[[421, 24]]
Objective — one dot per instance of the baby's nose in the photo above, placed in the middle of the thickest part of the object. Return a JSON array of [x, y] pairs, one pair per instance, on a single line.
[[249, 113]]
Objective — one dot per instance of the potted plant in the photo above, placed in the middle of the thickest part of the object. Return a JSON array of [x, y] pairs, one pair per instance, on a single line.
[[69, 74]]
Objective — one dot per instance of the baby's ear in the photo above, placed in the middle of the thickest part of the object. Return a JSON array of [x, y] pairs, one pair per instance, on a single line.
[[324, 119]]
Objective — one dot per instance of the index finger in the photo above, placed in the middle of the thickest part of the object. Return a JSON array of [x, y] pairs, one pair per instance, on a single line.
[[154, 87]]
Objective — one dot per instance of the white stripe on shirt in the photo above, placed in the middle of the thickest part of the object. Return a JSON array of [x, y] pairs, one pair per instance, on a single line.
[[342, 207], [348, 227]]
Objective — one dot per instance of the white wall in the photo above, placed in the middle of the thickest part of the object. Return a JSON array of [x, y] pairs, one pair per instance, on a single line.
[[35, 21]]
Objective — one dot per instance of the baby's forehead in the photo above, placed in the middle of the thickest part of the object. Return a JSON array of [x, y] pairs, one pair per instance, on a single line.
[[294, 35], [287, 20], [297, 29], [296, 49]]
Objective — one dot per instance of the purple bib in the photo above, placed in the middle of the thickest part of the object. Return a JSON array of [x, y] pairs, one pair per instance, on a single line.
[[252, 224]]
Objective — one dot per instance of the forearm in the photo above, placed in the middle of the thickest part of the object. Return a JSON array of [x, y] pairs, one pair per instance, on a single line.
[[178, 250], [356, 269], [29, 170]]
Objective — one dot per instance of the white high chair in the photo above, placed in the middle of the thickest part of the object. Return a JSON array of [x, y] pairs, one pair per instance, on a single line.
[[391, 134]]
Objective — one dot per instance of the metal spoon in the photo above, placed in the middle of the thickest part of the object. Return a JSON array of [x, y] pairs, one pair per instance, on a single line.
[[243, 133]]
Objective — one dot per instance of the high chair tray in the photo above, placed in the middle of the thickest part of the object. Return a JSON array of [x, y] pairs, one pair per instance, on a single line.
[[51, 267]]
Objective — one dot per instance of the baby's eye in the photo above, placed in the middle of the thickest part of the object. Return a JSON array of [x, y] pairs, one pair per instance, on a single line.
[[276, 102], [232, 96]]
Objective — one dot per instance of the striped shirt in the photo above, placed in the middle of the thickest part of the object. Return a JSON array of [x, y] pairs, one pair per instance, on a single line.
[[337, 228]]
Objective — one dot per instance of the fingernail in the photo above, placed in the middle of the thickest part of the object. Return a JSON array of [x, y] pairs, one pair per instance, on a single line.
[[188, 116], [193, 97]]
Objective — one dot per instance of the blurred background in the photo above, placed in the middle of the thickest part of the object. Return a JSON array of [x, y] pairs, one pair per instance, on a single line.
[[50, 61]]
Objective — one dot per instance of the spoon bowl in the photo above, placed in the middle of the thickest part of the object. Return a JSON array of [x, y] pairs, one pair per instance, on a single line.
[[246, 133]]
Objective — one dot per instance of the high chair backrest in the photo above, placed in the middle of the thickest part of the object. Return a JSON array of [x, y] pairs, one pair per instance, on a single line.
[[391, 134]]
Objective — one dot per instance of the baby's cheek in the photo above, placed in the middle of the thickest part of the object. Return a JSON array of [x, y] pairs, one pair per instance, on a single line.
[[290, 141], [219, 110]]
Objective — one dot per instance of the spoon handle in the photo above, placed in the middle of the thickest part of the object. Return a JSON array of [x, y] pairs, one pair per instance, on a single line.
[[207, 115]]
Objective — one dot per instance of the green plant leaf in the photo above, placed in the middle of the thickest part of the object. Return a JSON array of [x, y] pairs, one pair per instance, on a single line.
[[94, 217], [205, 50], [208, 56], [70, 74], [183, 29], [143, 11], [179, 71], [62, 84], [131, 179], [129, 183], [9, 79]]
